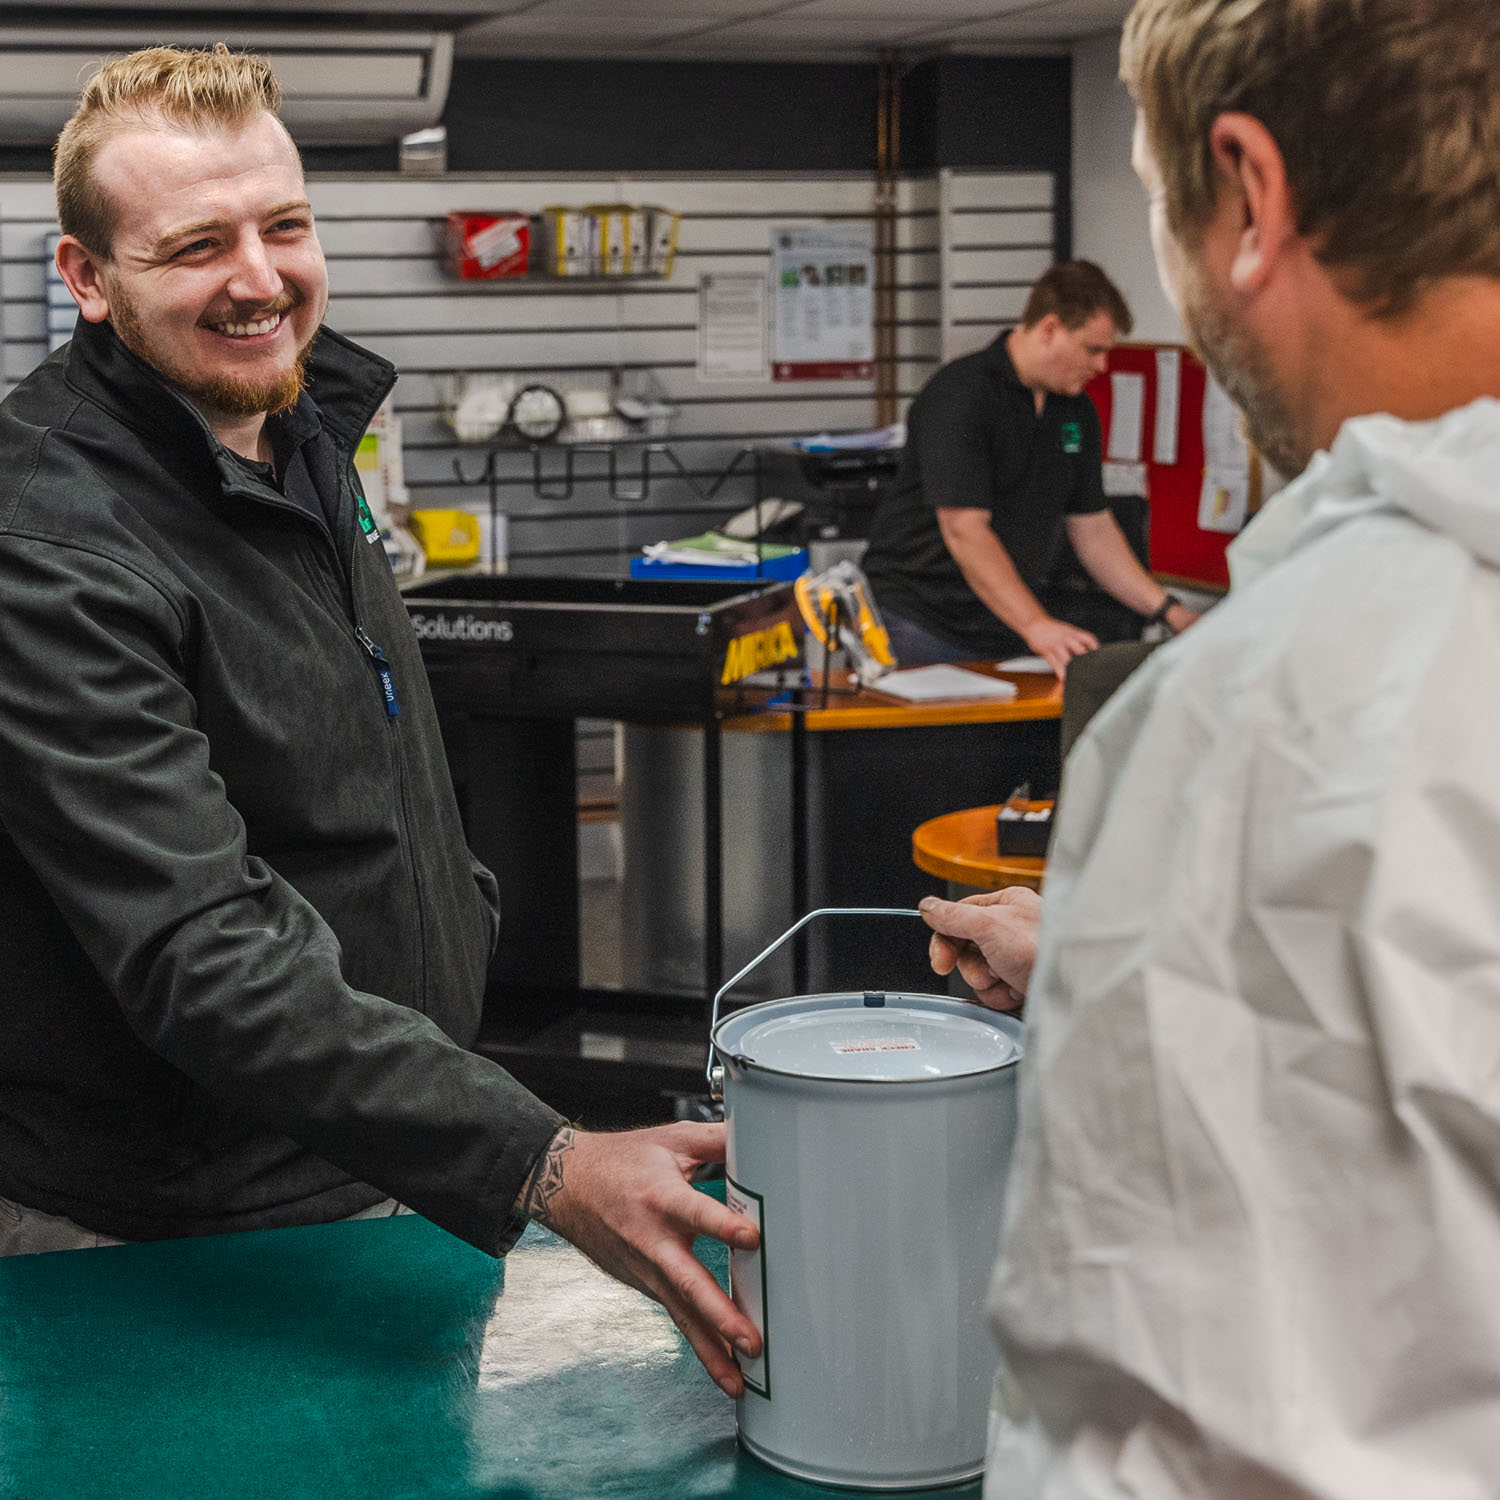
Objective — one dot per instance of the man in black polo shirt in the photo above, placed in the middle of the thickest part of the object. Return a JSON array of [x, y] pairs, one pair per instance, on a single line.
[[1001, 475]]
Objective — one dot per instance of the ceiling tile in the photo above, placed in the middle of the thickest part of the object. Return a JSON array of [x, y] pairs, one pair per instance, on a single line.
[[603, 30], [816, 32], [1022, 20], [739, 29], [885, 10]]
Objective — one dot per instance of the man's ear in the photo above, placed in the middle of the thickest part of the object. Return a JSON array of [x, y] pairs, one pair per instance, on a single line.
[[80, 270], [1253, 189], [1047, 328]]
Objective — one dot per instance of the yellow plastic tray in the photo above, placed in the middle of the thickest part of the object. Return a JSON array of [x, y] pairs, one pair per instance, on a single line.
[[447, 536]]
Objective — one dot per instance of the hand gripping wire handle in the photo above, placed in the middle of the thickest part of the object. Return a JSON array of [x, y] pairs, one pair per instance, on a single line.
[[714, 1073]]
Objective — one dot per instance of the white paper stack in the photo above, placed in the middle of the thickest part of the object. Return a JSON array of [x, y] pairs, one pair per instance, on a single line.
[[923, 684]]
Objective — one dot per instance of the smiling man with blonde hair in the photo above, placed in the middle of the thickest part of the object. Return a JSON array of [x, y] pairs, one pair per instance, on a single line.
[[143, 232], [1254, 1221], [246, 945]]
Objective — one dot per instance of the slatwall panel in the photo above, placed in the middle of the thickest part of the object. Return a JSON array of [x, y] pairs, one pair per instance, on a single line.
[[390, 293]]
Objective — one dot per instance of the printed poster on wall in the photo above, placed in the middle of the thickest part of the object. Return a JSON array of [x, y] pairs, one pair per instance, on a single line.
[[732, 328], [824, 275], [1224, 499]]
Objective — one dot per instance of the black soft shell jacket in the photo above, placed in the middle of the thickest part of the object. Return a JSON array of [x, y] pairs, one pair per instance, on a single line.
[[244, 944]]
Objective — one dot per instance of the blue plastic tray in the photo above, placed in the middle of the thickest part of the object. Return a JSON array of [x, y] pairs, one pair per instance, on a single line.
[[793, 565]]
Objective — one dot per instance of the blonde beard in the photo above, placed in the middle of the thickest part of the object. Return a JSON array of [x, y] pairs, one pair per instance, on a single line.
[[221, 394], [1240, 365]]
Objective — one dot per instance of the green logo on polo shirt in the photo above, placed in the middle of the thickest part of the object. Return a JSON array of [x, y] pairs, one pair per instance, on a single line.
[[1072, 436]]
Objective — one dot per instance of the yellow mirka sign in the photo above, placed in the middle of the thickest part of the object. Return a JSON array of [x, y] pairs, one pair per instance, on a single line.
[[757, 651]]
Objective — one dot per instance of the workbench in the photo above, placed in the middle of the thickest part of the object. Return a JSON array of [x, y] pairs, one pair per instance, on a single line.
[[731, 826], [375, 1359], [513, 662]]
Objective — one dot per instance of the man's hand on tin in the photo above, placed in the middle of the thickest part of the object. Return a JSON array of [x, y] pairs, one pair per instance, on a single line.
[[990, 939], [626, 1201]]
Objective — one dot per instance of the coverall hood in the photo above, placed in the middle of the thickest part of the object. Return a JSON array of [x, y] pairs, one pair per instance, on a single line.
[[1253, 1217], [1440, 472]]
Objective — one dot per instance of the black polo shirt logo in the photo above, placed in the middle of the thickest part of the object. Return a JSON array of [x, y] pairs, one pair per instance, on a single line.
[[1072, 437]]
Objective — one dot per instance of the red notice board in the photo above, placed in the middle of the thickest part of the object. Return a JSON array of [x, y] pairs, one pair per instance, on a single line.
[[1179, 547]]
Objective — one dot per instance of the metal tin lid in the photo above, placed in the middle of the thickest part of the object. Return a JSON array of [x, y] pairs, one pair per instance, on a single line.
[[870, 1037]]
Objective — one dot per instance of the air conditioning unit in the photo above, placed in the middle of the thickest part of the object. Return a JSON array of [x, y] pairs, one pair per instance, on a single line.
[[342, 87]]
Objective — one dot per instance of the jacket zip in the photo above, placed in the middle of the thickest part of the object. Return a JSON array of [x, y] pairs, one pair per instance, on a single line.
[[347, 602], [383, 669], [349, 606], [392, 711], [398, 753]]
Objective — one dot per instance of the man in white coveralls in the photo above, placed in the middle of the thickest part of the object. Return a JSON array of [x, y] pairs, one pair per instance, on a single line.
[[1252, 1243]]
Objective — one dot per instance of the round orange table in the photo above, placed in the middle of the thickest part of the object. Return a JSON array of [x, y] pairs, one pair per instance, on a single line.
[[959, 847]]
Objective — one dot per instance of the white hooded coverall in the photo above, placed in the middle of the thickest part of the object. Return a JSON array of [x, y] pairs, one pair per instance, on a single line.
[[1252, 1237]]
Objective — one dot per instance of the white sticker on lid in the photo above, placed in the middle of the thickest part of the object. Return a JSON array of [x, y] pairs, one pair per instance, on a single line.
[[747, 1285], [878, 1044]]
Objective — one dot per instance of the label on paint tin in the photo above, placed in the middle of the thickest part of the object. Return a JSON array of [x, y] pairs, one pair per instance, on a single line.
[[747, 1285], [879, 1044]]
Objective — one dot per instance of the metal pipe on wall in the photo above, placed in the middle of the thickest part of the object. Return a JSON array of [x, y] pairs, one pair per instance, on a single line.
[[887, 187], [946, 350]]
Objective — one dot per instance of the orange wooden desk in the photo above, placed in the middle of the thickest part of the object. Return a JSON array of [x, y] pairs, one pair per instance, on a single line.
[[960, 847], [1038, 696]]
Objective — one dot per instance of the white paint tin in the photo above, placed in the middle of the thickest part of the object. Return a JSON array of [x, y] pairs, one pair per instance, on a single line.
[[870, 1137]]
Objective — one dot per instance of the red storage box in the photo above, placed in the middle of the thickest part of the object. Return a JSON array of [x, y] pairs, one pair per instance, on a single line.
[[480, 247]]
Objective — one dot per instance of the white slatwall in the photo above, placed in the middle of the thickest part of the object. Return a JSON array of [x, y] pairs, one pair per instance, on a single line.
[[390, 293]]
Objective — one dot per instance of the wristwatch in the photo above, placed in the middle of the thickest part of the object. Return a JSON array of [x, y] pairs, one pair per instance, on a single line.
[[1168, 603]]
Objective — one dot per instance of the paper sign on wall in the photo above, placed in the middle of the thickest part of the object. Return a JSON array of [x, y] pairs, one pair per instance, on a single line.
[[1127, 479], [1168, 405], [1224, 500], [825, 303], [1127, 411], [732, 328]]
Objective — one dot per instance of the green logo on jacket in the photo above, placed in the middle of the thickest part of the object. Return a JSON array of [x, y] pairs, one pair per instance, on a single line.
[[1072, 436], [366, 520]]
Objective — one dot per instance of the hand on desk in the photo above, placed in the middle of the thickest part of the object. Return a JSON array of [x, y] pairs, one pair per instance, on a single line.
[[990, 939], [1057, 642], [625, 1200]]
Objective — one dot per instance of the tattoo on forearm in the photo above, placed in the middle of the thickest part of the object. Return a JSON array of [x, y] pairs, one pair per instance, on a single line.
[[547, 1179]]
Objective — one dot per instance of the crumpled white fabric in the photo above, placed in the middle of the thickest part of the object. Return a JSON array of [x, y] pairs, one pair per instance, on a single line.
[[1252, 1237]]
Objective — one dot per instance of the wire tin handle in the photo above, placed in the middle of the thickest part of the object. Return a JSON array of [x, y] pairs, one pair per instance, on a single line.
[[760, 958]]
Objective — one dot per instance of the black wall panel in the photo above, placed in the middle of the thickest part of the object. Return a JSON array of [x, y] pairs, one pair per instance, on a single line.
[[515, 115], [549, 116], [726, 117]]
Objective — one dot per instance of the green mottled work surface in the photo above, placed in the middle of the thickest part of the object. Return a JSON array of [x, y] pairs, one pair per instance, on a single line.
[[370, 1360]]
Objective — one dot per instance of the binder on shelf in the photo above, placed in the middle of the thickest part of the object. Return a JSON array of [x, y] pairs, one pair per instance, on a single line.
[[567, 239], [662, 226], [612, 221]]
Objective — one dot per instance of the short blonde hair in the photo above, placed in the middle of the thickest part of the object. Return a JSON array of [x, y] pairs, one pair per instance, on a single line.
[[203, 90], [1386, 112]]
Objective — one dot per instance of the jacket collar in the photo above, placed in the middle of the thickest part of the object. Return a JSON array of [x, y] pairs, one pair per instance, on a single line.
[[345, 386]]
